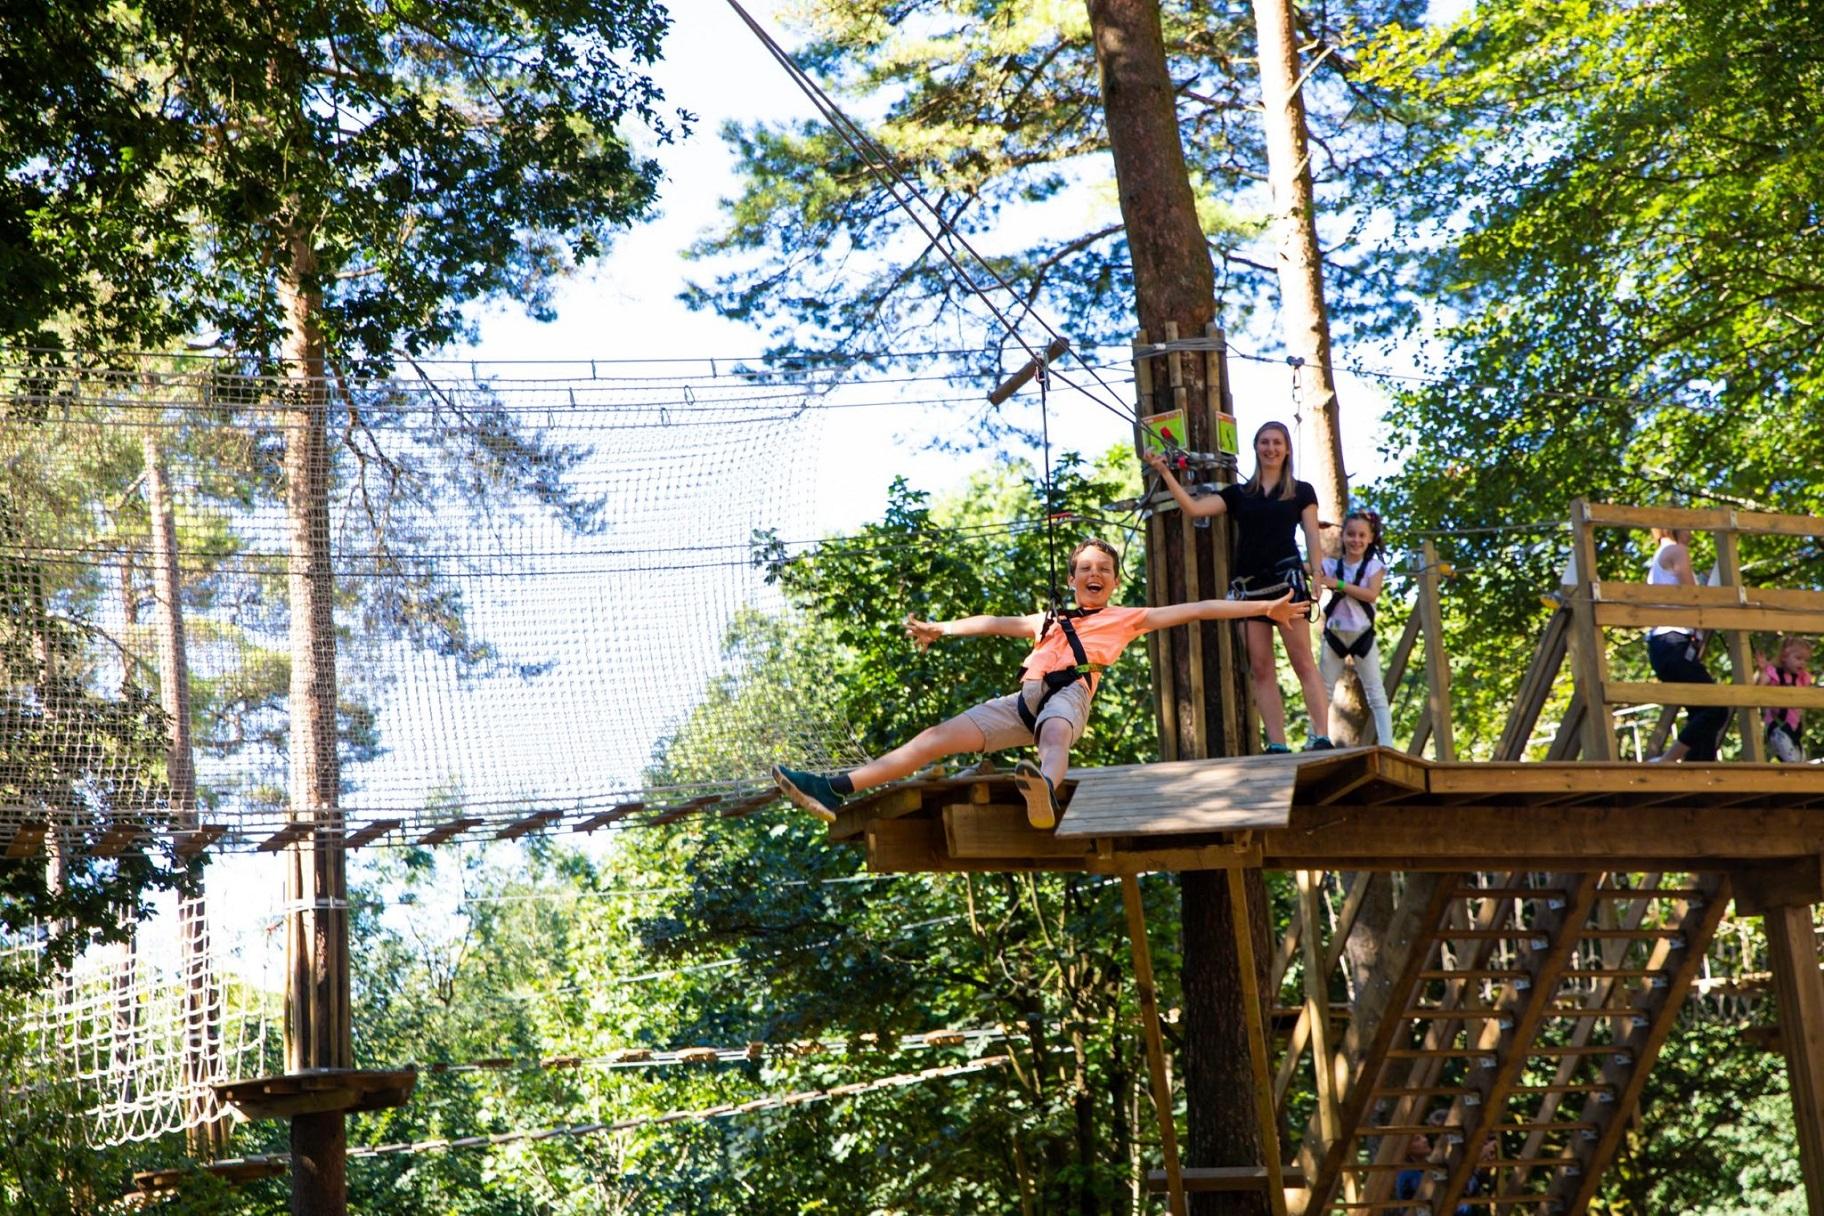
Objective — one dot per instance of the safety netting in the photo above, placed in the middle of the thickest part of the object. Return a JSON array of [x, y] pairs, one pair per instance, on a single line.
[[548, 581]]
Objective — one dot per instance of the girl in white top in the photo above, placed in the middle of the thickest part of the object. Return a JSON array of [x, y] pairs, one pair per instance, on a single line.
[[1676, 654], [1356, 579]]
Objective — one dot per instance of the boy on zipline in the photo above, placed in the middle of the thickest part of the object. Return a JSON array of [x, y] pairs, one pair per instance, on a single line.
[[1057, 681]]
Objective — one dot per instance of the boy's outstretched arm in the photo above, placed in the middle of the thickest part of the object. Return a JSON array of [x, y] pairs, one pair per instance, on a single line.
[[926, 632], [1281, 611]]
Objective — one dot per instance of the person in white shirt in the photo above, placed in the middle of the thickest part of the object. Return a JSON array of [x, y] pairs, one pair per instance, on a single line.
[[1355, 580], [1675, 651]]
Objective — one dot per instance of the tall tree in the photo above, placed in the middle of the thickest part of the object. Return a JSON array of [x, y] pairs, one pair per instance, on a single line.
[[1304, 322]]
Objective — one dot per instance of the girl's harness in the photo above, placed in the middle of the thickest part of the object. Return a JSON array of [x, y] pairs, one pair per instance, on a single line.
[[1363, 644]]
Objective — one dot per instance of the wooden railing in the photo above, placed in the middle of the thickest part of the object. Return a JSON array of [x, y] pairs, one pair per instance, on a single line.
[[1731, 609]]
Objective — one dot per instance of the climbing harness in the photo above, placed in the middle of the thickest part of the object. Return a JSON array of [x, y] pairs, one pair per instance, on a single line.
[[1365, 642], [1288, 575], [1054, 682]]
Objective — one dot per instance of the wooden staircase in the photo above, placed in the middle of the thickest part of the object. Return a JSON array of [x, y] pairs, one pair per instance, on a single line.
[[1513, 1024]]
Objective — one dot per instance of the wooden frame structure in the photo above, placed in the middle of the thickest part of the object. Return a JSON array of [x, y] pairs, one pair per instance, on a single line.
[[1731, 608], [1552, 917]]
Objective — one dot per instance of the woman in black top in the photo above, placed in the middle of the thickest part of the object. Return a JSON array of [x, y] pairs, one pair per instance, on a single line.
[[1269, 509]]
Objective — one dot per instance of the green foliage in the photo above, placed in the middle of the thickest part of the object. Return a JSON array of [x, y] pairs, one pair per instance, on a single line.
[[428, 155], [1615, 206], [1716, 1134]]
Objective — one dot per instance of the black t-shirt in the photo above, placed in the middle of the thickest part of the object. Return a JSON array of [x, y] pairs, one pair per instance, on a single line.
[[1266, 527]]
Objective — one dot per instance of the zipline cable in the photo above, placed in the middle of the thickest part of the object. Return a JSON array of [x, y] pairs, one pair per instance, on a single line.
[[881, 166]]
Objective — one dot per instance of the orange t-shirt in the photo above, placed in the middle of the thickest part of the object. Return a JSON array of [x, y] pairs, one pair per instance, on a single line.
[[1104, 634]]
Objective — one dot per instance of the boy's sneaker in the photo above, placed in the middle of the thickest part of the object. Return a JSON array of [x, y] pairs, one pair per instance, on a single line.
[[1319, 743], [1041, 799], [810, 791], [1277, 749]]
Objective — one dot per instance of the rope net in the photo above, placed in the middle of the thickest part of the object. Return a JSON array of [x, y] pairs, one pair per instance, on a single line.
[[548, 584], [136, 1034]]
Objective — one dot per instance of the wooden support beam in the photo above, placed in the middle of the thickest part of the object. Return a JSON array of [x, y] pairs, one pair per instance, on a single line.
[[1315, 1019], [366, 834], [1402, 654], [1799, 988], [1536, 685], [288, 834], [1774, 599], [1736, 696], [1209, 1179], [614, 814], [26, 840], [851, 821], [1437, 661], [531, 823], [1771, 620], [1253, 1014], [1368, 1041], [1741, 654], [1333, 953], [1794, 884], [445, 831], [1001, 830], [189, 844], [116, 840], [1589, 657], [1479, 837], [1613, 515], [1155, 1044]]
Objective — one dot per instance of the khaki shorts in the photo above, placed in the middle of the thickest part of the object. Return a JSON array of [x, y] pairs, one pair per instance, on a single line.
[[999, 719]]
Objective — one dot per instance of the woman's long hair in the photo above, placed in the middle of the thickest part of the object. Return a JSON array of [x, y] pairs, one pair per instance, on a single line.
[[1287, 488]]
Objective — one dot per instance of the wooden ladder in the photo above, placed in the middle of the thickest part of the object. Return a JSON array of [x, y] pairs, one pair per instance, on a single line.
[[1523, 1015]]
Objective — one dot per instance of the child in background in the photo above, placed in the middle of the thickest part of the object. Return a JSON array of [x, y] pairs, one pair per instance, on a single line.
[[1349, 620], [1785, 727]]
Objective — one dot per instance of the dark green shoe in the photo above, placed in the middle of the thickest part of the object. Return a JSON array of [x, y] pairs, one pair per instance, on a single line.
[[1277, 749], [1319, 743], [810, 791]]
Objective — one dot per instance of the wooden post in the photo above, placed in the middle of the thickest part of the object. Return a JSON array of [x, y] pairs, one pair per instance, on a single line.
[[1589, 658], [1194, 718], [1317, 1017], [1799, 986], [318, 1029], [1741, 654], [1254, 1015], [1155, 1046], [1231, 713], [1437, 661]]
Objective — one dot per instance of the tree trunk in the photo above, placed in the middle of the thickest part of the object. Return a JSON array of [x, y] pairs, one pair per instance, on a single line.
[[1175, 286], [1303, 318], [200, 1065], [318, 1032]]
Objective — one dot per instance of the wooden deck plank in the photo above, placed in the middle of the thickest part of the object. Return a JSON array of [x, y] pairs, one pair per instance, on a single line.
[[1194, 796]]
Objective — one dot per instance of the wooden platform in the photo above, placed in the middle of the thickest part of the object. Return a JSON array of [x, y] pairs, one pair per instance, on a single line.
[[318, 1091], [1360, 809]]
